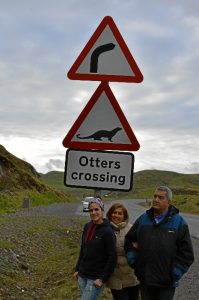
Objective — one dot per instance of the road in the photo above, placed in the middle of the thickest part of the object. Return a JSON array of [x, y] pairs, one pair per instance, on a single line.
[[188, 289]]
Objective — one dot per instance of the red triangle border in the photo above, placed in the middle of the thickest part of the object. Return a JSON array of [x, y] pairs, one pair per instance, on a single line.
[[68, 143], [72, 74]]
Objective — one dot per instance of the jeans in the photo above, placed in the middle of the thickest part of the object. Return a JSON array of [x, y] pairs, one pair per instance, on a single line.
[[88, 290], [156, 293], [128, 293]]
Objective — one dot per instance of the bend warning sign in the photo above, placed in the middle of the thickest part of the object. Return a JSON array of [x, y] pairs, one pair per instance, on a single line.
[[106, 57], [102, 125]]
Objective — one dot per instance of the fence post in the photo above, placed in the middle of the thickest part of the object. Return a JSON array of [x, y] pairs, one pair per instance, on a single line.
[[97, 193], [26, 202]]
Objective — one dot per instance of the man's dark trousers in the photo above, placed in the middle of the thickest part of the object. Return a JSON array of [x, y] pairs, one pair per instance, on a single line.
[[156, 293]]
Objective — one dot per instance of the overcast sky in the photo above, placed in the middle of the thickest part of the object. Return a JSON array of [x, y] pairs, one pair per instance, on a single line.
[[41, 39]]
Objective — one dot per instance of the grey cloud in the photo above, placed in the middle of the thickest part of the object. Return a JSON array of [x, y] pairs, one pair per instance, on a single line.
[[54, 164], [192, 167], [40, 45]]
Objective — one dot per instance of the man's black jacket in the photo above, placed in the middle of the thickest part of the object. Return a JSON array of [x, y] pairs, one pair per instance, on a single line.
[[165, 250]]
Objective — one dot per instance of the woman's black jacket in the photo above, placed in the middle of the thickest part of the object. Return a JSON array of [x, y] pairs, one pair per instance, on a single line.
[[97, 258]]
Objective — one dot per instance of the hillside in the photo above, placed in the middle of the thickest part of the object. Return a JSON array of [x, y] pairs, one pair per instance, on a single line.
[[56, 179], [17, 175], [19, 179], [142, 181], [185, 187], [179, 183]]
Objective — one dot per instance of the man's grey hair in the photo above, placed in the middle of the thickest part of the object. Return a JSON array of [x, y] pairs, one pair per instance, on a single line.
[[167, 190]]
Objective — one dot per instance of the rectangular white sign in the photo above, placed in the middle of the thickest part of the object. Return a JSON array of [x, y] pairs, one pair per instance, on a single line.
[[109, 170]]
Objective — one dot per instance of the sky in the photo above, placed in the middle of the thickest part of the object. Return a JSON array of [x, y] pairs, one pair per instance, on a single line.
[[40, 41]]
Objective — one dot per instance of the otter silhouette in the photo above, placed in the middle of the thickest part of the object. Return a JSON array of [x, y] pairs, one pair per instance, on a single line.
[[98, 135]]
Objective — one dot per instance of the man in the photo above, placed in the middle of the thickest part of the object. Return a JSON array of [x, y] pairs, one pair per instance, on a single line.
[[164, 252]]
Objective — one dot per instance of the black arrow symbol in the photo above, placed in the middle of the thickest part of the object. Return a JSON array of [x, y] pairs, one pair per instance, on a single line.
[[96, 53]]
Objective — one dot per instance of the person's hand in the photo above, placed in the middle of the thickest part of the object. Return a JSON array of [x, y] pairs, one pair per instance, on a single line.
[[135, 245], [177, 273], [75, 275], [98, 283], [131, 258]]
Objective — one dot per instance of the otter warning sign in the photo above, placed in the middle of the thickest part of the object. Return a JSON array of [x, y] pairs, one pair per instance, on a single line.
[[102, 125], [99, 169]]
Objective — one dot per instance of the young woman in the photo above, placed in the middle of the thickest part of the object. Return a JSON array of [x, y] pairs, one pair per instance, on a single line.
[[97, 258], [123, 283]]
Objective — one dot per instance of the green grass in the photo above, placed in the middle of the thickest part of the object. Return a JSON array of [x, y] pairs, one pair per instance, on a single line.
[[9, 203], [187, 203], [5, 244], [50, 253], [50, 250]]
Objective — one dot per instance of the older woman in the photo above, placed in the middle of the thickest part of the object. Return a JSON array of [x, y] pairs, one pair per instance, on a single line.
[[97, 257], [123, 283]]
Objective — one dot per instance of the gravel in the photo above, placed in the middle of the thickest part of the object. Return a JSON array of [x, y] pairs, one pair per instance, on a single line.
[[188, 289]]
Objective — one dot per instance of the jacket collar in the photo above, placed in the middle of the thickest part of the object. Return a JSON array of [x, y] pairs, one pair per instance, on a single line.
[[172, 210], [120, 225]]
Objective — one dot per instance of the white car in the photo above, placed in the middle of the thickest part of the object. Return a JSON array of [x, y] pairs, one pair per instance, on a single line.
[[86, 201]]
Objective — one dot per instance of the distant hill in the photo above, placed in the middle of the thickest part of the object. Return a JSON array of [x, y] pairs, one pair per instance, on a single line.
[[185, 187], [19, 178], [56, 179], [146, 181], [143, 182]]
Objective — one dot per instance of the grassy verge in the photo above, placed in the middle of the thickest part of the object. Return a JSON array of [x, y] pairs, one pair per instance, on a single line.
[[9, 203], [185, 202], [38, 256]]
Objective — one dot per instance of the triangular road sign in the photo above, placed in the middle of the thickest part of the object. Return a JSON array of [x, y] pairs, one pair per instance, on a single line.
[[101, 125], [106, 57]]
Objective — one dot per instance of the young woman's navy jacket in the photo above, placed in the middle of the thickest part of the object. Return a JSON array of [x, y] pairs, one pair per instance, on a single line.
[[165, 250], [97, 257]]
